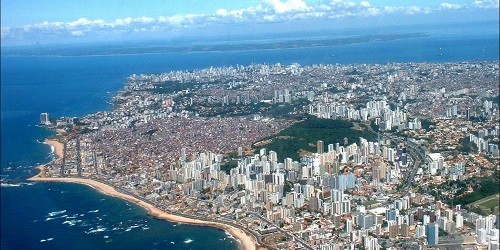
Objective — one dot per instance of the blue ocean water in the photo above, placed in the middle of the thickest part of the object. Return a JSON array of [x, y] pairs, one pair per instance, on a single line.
[[78, 85], [72, 216]]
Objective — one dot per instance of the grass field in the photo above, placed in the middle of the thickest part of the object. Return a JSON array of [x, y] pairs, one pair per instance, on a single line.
[[489, 205], [368, 203]]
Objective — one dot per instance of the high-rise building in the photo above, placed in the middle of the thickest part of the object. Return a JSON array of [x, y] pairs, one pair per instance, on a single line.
[[348, 226], [459, 221], [320, 146], [183, 154], [432, 232], [273, 156], [420, 231], [481, 236], [44, 119], [405, 230]]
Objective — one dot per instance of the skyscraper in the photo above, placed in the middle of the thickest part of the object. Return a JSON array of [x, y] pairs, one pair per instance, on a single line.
[[320, 146], [432, 232], [44, 119]]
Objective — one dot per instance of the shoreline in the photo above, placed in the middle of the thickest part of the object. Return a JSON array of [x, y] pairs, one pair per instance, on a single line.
[[245, 241], [58, 153], [58, 148]]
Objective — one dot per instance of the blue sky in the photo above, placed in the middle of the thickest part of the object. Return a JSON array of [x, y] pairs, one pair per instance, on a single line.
[[31, 21]]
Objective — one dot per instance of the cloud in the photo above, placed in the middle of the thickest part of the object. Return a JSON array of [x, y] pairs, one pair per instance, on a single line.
[[413, 10], [289, 6], [267, 11], [365, 4], [450, 6], [486, 4]]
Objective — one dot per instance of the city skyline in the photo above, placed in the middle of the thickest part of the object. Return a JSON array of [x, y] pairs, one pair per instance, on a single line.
[[55, 22]]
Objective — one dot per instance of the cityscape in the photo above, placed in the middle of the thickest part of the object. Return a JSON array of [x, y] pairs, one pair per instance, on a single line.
[[322, 156]]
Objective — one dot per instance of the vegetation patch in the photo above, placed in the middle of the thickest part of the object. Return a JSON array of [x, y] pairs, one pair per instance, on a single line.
[[302, 136], [489, 205], [484, 189]]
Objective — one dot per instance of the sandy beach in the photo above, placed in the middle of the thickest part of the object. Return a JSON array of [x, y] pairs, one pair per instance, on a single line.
[[246, 242], [58, 147]]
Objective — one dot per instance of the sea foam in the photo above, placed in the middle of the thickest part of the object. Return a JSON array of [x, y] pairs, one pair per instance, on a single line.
[[56, 213]]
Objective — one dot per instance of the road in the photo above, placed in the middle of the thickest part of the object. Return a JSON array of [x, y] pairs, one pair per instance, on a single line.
[[298, 239], [418, 157], [416, 153]]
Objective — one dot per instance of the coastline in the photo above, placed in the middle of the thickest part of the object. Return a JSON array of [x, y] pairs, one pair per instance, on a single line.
[[58, 153], [58, 147], [245, 241]]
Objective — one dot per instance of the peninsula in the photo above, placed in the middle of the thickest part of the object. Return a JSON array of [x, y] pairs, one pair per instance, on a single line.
[[304, 157]]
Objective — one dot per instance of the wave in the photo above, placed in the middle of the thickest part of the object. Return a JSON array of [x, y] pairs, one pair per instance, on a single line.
[[71, 222], [188, 240], [48, 239], [19, 184], [53, 218], [10, 184], [97, 230], [56, 213], [229, 235], [93, 211]]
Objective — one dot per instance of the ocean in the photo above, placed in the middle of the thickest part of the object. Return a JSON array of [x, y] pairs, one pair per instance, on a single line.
[[60, 216]]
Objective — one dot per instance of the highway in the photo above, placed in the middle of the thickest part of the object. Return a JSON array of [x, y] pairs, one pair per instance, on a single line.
[[416, 153]]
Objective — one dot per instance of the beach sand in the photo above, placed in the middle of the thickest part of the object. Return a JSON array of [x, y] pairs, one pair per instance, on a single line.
[[246, 242], [58, 147]]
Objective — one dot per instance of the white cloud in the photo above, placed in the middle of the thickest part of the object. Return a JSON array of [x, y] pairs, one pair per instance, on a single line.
[[413, 10], [450, 6], [266, 11], [144, 19], [122, 22], [222, 12], [486, 3], [365, 4], [290, 5]]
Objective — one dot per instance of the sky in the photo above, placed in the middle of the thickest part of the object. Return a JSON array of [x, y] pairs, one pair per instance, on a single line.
[[62, 21]]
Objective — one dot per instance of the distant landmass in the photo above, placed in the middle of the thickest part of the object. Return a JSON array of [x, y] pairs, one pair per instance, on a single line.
[[235, 46]]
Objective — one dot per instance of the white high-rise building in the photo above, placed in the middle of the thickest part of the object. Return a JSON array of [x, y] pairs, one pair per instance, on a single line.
[[459, 220], [44, 119], [420, 231], [494, 235], [426, 219], [481, 236], [348, 226], [493, 245]]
